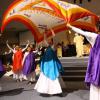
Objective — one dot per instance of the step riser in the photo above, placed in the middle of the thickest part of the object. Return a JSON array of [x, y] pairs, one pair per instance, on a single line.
[[74, 59], [74, 69], [74, 79], [74, 73]]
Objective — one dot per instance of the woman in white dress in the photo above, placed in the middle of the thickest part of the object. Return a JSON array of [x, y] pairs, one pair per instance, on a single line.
[[93, 70]]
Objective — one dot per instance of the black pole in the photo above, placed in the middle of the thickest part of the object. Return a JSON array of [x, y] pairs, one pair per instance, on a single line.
[[74, 1], [80, 1], [89, 0]]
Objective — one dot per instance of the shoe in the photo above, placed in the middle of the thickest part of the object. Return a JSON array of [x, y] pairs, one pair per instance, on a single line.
[[29, 82], [17, 80], [21, 80], [62, 94], [46, 95]]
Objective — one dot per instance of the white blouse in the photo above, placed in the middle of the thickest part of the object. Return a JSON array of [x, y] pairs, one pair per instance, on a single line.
[[91, 37]]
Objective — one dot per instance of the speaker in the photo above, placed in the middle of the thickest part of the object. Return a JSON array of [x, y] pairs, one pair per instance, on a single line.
[[74, 1], [89, 0]]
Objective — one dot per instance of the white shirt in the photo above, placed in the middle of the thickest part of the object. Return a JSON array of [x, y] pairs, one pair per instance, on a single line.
[[90, 36]]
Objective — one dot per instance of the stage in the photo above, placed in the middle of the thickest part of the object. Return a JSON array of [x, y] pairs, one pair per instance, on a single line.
[[12, 90]]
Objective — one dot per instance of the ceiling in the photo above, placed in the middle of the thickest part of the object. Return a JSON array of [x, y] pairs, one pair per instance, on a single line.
[[15, 26]]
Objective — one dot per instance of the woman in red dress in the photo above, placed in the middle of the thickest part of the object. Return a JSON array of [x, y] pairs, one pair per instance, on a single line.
[[17, 61]]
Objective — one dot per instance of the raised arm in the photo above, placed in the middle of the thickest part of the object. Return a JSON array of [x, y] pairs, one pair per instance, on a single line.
[[26, 46], [35, 51], [91, 37], [9, 46], [45, 40], [53, 33]]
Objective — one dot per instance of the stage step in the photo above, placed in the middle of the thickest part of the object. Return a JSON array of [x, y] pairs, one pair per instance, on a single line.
[[71, 59], [74, 72], [73, 78], [74, 68]]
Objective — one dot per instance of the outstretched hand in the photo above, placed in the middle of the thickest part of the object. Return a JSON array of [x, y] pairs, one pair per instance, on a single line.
[[68, 25], [7, 41], [28, 41], [52, 32], [51, 29]]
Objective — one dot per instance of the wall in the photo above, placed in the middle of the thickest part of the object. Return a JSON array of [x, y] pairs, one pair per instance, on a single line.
[[24, 36], [64, 36], [93, 6], [12, 37]]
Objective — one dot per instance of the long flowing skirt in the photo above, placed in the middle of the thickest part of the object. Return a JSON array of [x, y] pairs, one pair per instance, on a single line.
[[94, 92], [47, 86]]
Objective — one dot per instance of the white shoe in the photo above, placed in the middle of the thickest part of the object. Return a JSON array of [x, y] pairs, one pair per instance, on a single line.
[[21, 80]]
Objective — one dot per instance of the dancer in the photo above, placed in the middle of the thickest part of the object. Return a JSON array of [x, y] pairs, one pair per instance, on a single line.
[[93, 70], [29, 65], [78, 40], [17, 61], [48, 82]]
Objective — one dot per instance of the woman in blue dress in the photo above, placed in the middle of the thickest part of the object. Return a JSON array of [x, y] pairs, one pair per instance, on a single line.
[[48, 82]]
